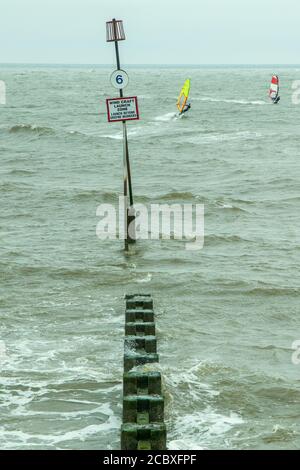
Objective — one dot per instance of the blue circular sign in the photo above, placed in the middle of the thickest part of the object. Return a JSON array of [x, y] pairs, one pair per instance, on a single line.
[[119, 79]]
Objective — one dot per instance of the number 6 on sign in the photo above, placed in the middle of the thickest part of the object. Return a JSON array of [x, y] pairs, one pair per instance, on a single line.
[[119, 79]]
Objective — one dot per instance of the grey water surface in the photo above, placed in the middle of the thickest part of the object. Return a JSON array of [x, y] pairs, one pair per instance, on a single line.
[[227, 315]]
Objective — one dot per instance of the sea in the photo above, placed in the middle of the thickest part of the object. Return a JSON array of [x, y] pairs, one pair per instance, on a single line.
[[228, 315]]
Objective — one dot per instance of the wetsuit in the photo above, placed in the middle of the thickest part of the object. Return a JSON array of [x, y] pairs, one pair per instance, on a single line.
[[185, 109]]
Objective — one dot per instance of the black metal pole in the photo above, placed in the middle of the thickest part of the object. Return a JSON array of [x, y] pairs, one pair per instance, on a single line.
[[127, 174], [126, 219], [127, 150], [129, 171], [126, 141]]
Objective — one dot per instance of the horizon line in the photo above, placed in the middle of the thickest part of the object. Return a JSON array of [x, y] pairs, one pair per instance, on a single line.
[[155, 64]]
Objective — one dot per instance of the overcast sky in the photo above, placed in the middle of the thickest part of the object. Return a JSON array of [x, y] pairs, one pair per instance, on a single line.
[[158, 31]]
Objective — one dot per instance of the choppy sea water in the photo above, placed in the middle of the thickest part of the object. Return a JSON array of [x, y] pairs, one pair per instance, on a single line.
[[227, 315]]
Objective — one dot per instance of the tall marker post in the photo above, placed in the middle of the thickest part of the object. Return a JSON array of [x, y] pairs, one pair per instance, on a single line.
[[124, 109]]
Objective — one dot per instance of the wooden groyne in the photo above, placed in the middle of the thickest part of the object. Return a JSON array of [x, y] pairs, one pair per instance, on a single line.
[[143, 404]]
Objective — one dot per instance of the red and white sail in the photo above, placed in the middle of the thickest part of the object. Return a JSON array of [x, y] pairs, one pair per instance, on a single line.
[[274, 88]]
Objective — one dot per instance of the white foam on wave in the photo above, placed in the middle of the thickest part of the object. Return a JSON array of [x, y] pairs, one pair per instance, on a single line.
[[3, 352], [195, 430], [229, 101], [119, 135], [181, 444], [41, 362], [191, 378], [21, 439], [223, 205], [145, 279], [166, 117], [88, 408], [242, 135]]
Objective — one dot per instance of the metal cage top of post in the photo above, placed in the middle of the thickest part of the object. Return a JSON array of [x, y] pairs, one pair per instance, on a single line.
[[115, 31]]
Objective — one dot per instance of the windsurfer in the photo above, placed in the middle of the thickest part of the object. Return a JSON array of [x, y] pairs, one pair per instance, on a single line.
[[186, 108], [274, 89]]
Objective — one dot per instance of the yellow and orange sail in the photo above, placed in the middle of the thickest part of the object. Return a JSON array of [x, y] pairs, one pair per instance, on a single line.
[[184, 94]]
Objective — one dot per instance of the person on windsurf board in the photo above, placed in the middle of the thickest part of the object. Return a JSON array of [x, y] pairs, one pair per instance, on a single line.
[[274, 89], [186, 108], [182, 105]]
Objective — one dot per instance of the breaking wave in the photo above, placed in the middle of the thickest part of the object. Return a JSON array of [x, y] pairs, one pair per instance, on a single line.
[[232, 101], [30, 128]]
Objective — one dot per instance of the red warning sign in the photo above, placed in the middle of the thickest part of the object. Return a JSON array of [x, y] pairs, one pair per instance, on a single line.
[[122, 109]]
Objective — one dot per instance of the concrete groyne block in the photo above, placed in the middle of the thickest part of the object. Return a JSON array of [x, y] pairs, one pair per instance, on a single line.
[[132, 360], [141, 344], [140, 328], [139, 315], [138, 301], [143, 437], [143, 404], [142, 383], [143, 409]]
